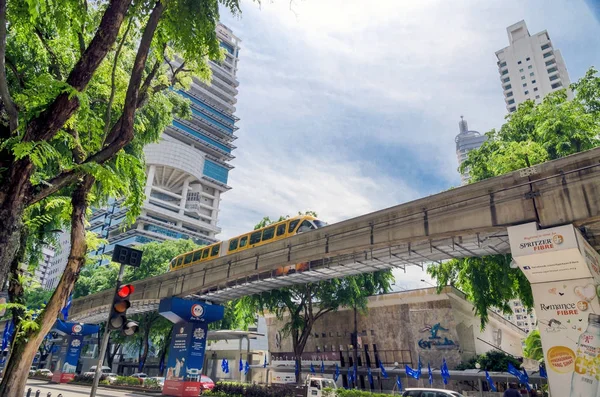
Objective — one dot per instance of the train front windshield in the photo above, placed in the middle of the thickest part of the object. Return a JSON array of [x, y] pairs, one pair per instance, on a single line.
[[319, 224]]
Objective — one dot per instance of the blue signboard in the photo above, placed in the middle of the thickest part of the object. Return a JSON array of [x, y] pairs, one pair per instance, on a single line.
[[188, 343], [177, 310], [73, 353]]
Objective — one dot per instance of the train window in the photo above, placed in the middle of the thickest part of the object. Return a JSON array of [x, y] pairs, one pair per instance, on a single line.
[[293, 225], [233, 244], [197, 255], [179, 261], [281, 229], [243, 241], [305, 227], [215, 250], [188, 258], [172, 263], [255, 237], [205, 253], [268, 233]]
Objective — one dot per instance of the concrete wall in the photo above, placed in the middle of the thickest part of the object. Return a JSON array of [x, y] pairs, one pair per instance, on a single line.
[[396, 323]]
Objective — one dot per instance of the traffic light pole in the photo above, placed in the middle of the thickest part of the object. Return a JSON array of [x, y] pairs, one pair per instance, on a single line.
[[105, 339]]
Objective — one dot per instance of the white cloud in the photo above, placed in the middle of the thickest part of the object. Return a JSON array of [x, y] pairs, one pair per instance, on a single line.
[[331, 89], [335, 189]]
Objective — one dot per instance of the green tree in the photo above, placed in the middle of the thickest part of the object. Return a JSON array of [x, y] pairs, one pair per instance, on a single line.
[[300, 306], [84, 88], [533, 346], [493, 360], [533, 134]]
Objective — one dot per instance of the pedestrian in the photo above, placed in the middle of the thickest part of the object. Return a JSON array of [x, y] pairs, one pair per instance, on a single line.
[[512, 391]]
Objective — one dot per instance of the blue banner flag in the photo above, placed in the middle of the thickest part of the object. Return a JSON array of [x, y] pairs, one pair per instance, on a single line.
[[296, 368], [522, 376], [543, 372], [65, 310], [370, 375], [445, 372], [430, 374], [337, 373], [246, 368], [490, 382], [412, 373], [322, 367], [241, 365], [419, 369], [140, 365], [225, 366], [265, 363], [312, 368], [383, 371], [398, 383], [161, 365], [350, 377]]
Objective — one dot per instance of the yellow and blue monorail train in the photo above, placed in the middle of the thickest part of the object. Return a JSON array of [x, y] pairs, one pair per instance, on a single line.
[[256, 238]]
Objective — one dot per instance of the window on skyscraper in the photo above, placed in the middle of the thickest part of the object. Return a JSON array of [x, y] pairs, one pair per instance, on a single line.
[[531, 74], [526, 92], [545, 46], [530, 67], [528, 59]]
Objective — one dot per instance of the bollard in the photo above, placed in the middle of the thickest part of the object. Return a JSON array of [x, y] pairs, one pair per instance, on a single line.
[[49, 394], [28, 392], [37, 393], [60, 395]]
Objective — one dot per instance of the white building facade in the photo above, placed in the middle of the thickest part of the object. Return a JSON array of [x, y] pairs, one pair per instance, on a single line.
[[466, 141], [530, 67]]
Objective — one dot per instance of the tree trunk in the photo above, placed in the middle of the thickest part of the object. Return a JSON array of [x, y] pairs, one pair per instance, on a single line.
[[26, 343], [145, 347]]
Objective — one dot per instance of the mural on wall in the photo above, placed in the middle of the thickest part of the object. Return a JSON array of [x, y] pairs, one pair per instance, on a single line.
[[434, 340]]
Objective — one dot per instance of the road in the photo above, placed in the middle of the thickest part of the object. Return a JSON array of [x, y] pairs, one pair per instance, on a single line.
[[75, 390]]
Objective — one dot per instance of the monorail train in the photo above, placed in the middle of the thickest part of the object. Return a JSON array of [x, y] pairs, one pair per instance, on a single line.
[[256, 238]]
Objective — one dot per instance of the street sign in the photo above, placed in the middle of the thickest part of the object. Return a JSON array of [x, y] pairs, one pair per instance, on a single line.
[[127, 256]]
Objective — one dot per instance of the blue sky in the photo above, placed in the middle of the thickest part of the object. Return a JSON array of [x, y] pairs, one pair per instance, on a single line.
[[350, 106]]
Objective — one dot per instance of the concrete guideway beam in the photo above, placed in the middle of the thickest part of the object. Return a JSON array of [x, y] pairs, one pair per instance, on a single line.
[[466, 221]]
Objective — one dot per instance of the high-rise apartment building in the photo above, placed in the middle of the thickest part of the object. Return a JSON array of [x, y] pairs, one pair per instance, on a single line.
[[465, 142], [530, 67]]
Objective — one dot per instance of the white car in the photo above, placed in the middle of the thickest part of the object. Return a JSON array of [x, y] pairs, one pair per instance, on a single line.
[[92, 371], [422, 392], [110, 377], [45, 372]]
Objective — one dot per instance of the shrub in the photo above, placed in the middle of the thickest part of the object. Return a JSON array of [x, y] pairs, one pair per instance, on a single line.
[[229, 389], [127, 381], [150, 383], [87, 379]]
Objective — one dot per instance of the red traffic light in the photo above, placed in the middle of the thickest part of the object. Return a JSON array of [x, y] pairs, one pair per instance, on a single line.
[[125, 291]]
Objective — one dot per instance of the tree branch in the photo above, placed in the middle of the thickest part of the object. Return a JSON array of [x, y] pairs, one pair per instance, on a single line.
[[113, 86], [47, 123], [11, 109], [15, 71], [54, 63], [118, 138], [122, 131], [80, 35], [78, 152]]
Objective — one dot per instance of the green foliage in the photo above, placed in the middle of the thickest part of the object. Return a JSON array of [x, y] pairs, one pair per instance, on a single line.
[[228, 389], [487, 282], [356, 393], [299, 306], [491, 361], [533, 346], [533, 134], [153, 384], [127, 381]]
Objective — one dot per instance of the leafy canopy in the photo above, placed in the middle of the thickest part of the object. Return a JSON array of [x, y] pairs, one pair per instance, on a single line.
[[533, 134]]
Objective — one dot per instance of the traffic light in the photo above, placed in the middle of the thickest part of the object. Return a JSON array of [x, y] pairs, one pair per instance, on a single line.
[[118, 319]]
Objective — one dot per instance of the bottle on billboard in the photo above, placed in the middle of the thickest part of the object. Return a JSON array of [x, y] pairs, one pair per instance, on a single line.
[[584, 382]]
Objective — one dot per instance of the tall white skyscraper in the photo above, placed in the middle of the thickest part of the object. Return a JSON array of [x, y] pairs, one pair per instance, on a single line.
[[530, 67], [465, 142]]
